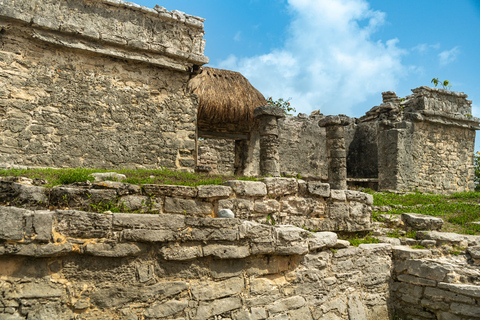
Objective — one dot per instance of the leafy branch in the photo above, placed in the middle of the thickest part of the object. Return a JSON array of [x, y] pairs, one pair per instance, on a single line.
[[445, 83]]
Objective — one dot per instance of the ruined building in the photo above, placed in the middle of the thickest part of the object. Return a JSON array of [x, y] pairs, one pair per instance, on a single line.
[[110, 84]]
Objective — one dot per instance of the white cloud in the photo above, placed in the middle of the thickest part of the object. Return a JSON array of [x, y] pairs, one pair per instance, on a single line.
[[329, 60], [448, 56], [422, 48]]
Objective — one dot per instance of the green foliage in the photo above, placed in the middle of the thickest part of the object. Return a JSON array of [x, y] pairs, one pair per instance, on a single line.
[[418, 247], [411, 234], [445, 83], [68, 176], [270, 220], [457, 210], [394, 234], [368, 239], [281, 103]]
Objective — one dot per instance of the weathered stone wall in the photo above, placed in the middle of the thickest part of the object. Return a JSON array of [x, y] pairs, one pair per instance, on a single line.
[[97, 84], [219, 154], [311, 205], [302, 147], [425, 142], [426, 287], [69, 264]]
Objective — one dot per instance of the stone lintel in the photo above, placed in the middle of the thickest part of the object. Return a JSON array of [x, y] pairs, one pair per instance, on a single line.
[[268, 111], [338, 120]]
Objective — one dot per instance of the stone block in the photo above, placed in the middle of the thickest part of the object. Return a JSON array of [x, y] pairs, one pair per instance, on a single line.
[[359, 197], [257, 232], [338, 211], [213, 191], [210, 290], [207, 234], [208, 222], [186, 206], [267, 206], [416, 280], [268, 110], [170, 191], [39, 290], [134, 203], [32, 195], [82, 224], [465, 309], [165, 309], [443, 238], [182, 252], [474, 252], [292, 248], [321, 240], [439, 294], [415, 221], [42, 224], [286, 304], [291, 233], [302, 313], [338, 195], [465, 289], [226, 251], [148, 221], [207, 310], [113, 250], [108, 176], [429, 270], [143, 235], [356, 309], [407, 253], [319, 189], [278, 187], [13, 219], [258, 313], [247, 188]]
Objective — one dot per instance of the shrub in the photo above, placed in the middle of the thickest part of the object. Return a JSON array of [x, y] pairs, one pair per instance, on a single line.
[[68, 176], [283, 104]]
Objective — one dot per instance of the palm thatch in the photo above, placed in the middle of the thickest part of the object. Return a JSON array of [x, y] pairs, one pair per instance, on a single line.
[[226, 97]]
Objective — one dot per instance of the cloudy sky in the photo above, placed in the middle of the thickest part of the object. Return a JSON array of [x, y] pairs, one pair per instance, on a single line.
[[339, 55]]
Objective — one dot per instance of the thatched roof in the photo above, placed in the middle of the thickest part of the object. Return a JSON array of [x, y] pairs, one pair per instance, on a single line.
[[225, 97]]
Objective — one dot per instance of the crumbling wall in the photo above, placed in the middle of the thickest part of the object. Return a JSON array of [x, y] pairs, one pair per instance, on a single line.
[[97, 84], [70, 264]]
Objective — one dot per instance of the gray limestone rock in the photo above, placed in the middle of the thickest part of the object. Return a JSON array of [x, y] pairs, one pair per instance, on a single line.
[[108, 176], [322, 239], [213, 191], [226, 213], [415, 221], [248, 188], [319, 189]]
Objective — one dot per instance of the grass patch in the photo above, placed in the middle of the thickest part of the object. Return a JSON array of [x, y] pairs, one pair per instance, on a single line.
[[358, 241], [134, 176], [457, 210]]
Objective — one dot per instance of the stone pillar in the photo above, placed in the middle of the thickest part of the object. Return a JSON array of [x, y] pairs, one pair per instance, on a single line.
[[336, 150], [269, 160]]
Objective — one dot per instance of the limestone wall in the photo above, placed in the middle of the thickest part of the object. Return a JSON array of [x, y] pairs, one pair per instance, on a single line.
[[310, 205], [97, 84], [426, 287], [219, 154], [302, 148], [69, 264]]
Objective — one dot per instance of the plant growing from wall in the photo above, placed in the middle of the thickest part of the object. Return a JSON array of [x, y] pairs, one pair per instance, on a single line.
[[445, 83], [283, 104]]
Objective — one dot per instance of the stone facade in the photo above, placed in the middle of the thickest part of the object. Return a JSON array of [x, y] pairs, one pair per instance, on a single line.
[[97, 84], [310, 205], [218, 154], [77, 265]]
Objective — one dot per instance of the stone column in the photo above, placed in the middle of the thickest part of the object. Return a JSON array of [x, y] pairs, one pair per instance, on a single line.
[[336, 150], [269, 160]]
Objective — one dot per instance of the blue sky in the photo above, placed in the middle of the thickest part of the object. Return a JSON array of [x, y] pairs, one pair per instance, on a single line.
[[339, 55]]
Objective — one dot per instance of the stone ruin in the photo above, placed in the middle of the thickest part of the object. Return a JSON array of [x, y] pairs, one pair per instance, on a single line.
[[104, 84]]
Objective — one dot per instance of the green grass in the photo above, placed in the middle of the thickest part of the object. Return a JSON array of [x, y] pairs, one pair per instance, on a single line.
[[457, 210], [368, 239], [137, 176]]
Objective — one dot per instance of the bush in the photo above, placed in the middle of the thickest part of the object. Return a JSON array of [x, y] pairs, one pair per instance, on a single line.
[[283, 104]]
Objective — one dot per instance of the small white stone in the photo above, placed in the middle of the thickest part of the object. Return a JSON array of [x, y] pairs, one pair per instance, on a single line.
[[226, 213]]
